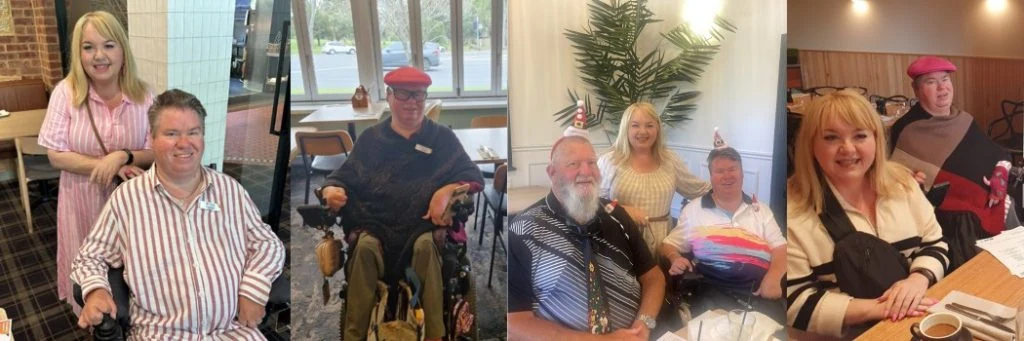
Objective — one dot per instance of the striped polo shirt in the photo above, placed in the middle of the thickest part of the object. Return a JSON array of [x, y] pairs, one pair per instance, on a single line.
[[546, 264]]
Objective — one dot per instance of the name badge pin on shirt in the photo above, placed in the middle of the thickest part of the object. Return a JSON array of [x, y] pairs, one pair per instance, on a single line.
[[424, 149], [209, 206]]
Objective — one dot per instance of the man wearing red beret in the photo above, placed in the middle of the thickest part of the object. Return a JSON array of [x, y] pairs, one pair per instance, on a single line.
[[393, 189], [945, 143]]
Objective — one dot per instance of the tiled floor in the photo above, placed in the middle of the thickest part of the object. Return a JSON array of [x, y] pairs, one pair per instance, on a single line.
[[27, 270], [317, 321]]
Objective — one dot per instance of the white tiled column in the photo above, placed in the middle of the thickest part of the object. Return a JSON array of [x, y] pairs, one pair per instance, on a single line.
[[186, 44]]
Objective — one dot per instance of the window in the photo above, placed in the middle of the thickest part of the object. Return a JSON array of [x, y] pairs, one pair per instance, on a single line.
[[357, 42]]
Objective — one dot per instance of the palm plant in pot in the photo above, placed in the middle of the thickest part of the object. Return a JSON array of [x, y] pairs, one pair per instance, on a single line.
[[619, 75]]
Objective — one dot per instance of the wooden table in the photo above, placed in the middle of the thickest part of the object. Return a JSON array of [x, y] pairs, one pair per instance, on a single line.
[[21, 123], [519, 198], [495, 138], [983, 276], [344, 113]]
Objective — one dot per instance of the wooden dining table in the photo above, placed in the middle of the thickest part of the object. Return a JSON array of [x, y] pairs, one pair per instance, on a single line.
[[982, 276], [495, 138], [21, 123]]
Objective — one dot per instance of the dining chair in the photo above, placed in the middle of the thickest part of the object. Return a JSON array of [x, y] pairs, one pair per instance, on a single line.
[[487, 121], [433, 110], [494, 197], [1009, 137], [328, 149], [34, 167], [295, 145], [897, 105], [824, 90]]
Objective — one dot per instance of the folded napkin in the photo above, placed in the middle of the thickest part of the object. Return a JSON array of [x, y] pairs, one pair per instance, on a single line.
[[979, 329], [487, 153]]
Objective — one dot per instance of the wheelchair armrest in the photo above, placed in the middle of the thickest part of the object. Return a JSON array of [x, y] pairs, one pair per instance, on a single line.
[[280, 291], [119, 291]]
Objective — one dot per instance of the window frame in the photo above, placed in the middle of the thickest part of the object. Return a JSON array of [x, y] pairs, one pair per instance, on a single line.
[[366, 24]]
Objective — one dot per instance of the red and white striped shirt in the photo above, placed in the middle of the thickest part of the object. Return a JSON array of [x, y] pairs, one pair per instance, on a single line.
[[186, 266]]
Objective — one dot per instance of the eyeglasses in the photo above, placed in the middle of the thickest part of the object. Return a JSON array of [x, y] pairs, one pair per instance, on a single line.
[[405, 95]]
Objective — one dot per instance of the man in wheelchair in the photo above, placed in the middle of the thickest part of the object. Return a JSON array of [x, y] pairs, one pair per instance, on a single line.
[[195, 252], [578, 265], [739, 248], [394, 189]]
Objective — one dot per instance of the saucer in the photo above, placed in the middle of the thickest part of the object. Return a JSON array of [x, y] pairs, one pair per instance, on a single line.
[[964, 336]]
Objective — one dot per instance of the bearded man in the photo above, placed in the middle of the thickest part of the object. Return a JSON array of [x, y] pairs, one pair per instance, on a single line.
[[578, 265]]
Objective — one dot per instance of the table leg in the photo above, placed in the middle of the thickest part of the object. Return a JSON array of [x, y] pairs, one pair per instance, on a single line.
[[352, 130]]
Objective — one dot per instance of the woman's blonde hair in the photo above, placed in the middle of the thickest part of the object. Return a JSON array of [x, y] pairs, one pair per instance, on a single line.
[[804, 188], [107, 26], [621, 149]]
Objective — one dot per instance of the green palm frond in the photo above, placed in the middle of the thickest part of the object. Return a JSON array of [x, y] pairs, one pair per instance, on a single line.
[[618, 75]]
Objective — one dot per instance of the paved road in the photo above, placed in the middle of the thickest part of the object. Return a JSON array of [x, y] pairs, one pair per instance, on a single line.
[[338, 73]]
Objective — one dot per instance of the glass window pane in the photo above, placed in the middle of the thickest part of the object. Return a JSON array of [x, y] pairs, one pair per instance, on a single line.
[[394, 33], [476, 44], [435, 16], [334, 47], [295, 78], [504, 48]]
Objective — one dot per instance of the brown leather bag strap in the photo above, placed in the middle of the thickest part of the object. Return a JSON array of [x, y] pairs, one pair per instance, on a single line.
[[92, 122]]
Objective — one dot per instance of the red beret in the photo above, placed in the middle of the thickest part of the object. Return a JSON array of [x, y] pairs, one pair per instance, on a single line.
[[407, 76], [929, 64]]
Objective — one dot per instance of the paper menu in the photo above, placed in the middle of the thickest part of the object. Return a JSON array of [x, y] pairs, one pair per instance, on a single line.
[[1006, 247]]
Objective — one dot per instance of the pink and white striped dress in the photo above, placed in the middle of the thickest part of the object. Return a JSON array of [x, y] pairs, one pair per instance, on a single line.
[[67, 129]]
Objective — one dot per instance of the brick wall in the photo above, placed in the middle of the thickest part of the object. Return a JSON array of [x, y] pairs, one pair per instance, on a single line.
[[32, 52]]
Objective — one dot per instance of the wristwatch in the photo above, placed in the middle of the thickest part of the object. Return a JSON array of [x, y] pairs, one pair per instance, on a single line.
[[647, 320], [131, 157]]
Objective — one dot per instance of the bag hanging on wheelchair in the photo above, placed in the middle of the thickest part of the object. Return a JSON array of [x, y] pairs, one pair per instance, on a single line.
[[408, 321]]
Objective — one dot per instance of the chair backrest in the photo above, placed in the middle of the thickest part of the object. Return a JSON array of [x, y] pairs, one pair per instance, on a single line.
[[897, 105], [489, 121], [29, 145], [1010, 110], [824, 90], [501, 178], [23, 95], [331, 142], [433, 110]]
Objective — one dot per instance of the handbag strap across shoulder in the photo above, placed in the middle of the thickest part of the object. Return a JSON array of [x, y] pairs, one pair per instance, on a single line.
[[92, 122]]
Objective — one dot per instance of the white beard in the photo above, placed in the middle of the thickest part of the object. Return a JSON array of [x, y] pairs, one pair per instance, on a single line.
[[581, 207]]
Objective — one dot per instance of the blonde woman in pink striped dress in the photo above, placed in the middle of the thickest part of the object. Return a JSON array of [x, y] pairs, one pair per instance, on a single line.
[[102, 80], [643, 175]]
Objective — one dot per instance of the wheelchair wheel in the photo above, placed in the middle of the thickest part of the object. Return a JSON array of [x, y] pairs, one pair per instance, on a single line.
[[341, 319], [474, 331]]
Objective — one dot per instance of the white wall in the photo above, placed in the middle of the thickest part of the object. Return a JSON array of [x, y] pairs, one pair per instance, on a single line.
[[739, 87], [946, 27], [187, 45]]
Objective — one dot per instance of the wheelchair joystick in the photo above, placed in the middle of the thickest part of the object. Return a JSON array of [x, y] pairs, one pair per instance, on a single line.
[[108, 330]]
